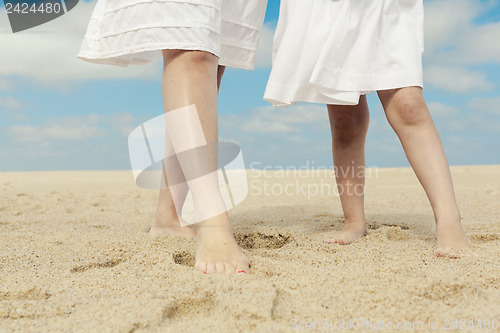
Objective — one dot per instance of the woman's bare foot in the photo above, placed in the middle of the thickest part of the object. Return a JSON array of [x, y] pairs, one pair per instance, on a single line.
[[349, 233], [216, 248], [168, 224], [452, 242]]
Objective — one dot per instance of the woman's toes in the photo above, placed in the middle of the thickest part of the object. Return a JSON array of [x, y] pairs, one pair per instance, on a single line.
[[201, 266], [229, 268], [220, 267], [211, 268], [242, 268]]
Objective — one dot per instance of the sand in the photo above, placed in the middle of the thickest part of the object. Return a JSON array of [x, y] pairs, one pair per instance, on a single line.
[[76, 257]]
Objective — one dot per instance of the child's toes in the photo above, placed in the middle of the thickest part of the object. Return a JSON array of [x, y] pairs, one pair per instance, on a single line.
[[329, 239], [229, 268], [220, 267], [441, 252], [452, 253]]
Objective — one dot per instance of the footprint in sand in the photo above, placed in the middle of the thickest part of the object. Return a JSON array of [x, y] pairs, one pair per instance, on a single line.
[[104, 264], [250, 241], [98, 226], [397, 234], [483, 238], [376, 225], [448, 292], [326, 216], [30, 294], [402, 226], [184, 258], [257, 240], [191, 306], [372, 225]]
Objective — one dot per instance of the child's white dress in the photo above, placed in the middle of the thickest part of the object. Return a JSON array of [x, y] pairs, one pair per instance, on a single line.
[[333, 51], [123, 32]]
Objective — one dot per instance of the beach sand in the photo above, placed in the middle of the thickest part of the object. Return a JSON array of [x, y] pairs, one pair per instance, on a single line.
[[76, 257]]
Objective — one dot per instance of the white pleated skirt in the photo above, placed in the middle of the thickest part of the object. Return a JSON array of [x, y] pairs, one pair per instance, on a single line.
[[334, 51], [124, 32]]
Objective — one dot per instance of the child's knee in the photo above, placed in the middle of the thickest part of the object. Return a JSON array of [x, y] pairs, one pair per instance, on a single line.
[[411, 113], [347, 126], [348, 130]]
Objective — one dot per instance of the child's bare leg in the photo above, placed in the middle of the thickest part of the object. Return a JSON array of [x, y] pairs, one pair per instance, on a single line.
[[409, 116], [190, 77], [166, 219], [349, 125]]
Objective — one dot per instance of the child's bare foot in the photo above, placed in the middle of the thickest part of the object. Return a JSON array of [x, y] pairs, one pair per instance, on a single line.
[[349, 233], [452, 242], [167, 224], [216, 248]]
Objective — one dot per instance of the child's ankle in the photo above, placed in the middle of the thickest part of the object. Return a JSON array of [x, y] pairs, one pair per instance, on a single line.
[[449, 218], [355, 221]]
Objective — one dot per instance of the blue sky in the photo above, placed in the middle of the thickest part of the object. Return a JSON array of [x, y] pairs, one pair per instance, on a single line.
[[60, 113]]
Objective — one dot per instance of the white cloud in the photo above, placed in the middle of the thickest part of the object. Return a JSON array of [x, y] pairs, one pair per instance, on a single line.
[[5, 85], [454, 41], [48, 52], [122, 122], [442, 111], [484, 124], [73, 128], [10, 103], [272, 120], [490, 106], [478, 117], [54, 130], [457, 38], [479, 45], [442, 29], [457, 80], [76, 142], [280, 136], [447, 118]]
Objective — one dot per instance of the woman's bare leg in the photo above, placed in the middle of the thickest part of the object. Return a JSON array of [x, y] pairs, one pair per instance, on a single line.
[[190, 77], [349, 125], [167, 219], [409, 116]]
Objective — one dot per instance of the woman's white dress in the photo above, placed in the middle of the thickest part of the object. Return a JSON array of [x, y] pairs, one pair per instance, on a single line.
[[333, 51], [123, 32]]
